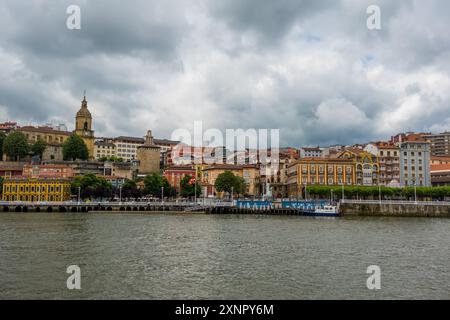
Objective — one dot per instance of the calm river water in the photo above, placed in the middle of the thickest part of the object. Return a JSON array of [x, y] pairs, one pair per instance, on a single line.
[[195, 256]]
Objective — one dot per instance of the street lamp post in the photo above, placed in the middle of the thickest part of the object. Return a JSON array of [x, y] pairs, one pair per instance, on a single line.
[[331, 198], [162, 195], [379, 192], [415, 192], [343, 195], [306, 191], [232, 195], [195, 191], [120, 194], [79, 194]]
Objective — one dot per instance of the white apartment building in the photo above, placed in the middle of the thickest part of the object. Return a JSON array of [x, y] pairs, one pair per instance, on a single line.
[[104, 148], [126, 147]]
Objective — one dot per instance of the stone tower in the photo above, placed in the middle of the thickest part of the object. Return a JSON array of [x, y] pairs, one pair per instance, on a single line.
[[148, 156], [83, 127]]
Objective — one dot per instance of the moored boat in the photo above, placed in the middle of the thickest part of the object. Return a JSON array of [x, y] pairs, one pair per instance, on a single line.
[[324, 211]]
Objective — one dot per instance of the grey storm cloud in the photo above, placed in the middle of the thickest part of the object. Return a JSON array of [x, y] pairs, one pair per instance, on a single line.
[[310, 68]]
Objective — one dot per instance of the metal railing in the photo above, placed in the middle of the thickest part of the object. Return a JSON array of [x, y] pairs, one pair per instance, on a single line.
[[399, 202], [118, 204]]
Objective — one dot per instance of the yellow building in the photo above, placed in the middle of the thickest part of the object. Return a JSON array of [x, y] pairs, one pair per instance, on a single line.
[[250, 174], [48, 135], [83, 127], [367, 168], [319, 171], [33, 190]]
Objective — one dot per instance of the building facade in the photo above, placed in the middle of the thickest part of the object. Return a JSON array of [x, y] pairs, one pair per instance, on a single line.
[[165, 146], [439, 144], [34, 190], [54, 140], [127, 170], [104, 149], [9, 169], [126, 147], [439, 160], [388, 156], [366, 166], [175, 174], [307, 152], [440, 175], [148, 156], [415, 161], [319, 171], [7, 127], [48, 171], [250, 174]]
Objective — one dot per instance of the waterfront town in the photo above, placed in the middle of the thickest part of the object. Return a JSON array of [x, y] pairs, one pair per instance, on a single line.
[[51, 163]]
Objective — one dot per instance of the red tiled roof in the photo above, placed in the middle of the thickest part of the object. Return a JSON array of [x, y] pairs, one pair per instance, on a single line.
[[445, 159], [44, 130], [440, 167], [414, 137]]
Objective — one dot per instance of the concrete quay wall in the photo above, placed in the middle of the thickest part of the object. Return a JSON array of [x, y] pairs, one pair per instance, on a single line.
[[396, 209]]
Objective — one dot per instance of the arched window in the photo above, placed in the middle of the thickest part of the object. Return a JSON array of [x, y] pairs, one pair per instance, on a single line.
[[86, 126]]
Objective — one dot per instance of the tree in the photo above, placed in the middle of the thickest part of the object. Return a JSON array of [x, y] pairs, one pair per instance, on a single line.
[[228, 182], [111, 159], [154, 184], [38, 147], [75, 148], [91, 186], [130, 190], [16, 145], [188, 187], [2, 140]]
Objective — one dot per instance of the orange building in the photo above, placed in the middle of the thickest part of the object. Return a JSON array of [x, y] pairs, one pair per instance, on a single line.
[[175, 174], [319, 171]]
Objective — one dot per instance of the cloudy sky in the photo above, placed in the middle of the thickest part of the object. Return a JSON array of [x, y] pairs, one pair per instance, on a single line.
[[310, 68]]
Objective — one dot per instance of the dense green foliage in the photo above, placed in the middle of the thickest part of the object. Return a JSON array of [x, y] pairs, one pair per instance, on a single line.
[[2, 140], [74, 148], [15, 145], [38, 147], [154, 183], [91, 186], [111, 159], [130, 190], [228, 182], [188, 187], [360, 192]]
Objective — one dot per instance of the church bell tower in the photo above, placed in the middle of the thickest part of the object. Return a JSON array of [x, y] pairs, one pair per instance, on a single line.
[[83, 127]]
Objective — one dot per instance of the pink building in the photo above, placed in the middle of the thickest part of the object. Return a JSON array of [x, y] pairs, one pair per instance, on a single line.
[[53, 171]]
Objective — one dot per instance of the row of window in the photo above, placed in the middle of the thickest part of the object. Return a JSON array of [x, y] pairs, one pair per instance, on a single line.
[[321, 180], [413, 168], [33, 198], [33, 189], [312, 169], [389, 153]]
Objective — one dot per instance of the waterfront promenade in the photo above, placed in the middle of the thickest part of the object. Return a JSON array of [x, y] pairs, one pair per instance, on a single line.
[[347, 207]]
